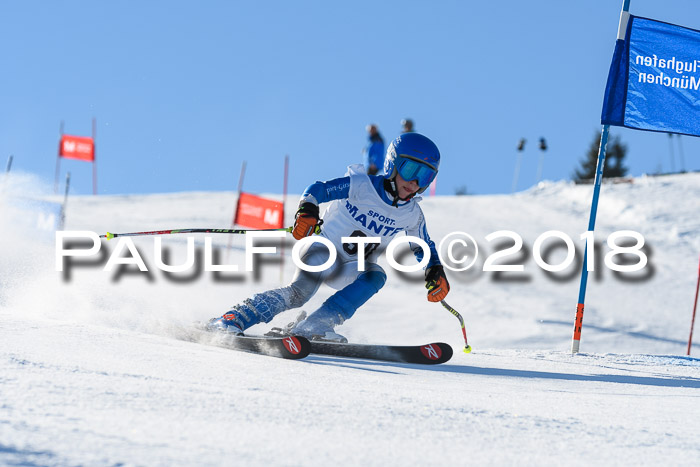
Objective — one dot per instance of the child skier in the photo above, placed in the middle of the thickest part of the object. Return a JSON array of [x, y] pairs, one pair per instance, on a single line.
[[361, 205]]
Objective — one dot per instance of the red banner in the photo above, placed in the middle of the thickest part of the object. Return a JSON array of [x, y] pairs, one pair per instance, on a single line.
[[259, 213], [77, 147]]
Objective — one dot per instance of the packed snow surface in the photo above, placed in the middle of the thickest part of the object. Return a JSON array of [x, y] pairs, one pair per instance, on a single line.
[[92, 371]]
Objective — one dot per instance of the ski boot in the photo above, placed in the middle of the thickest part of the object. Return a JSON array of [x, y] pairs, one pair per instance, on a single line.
[[286, 330], [229, 323], [316, 328]]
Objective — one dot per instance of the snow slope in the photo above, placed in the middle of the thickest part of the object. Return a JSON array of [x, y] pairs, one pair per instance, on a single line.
[[91, 371]]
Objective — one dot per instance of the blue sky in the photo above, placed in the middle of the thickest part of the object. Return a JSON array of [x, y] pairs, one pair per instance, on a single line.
[[184, 92]]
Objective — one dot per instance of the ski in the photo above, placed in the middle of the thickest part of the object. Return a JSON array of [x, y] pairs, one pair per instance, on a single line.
[[289, 347], [429, 354]]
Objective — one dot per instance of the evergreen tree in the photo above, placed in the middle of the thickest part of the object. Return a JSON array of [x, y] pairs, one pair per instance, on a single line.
[[614, 157]]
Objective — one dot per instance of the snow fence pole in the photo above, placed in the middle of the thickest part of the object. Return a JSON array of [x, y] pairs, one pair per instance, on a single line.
[[695, 307], [467, 347], [58, 161], [94, 156], [284, 206], [62, 215], [7, 170], [235, 208]]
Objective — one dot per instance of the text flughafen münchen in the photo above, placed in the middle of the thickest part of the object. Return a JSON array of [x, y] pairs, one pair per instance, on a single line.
[[676, 76]]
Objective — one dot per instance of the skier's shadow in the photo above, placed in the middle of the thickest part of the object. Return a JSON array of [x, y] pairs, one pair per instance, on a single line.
[[618, 330], [347, 362], [385, 367]]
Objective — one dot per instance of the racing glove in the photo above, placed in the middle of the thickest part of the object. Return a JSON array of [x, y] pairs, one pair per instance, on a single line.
[[306, 221], [436, 283]]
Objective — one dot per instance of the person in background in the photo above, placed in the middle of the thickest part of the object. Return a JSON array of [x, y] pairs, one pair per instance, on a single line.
[[407, 125], [374, 151]]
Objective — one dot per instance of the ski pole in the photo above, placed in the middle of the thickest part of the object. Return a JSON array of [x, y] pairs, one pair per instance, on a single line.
[[110, 235], [467, 347]]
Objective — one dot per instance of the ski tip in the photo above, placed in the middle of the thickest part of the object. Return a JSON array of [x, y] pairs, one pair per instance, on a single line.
[[446, 352], [436, 353], [295, 347]]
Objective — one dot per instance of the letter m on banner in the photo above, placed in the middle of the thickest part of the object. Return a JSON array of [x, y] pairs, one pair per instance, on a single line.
[[81, 148], [259, 213], [77, 147]]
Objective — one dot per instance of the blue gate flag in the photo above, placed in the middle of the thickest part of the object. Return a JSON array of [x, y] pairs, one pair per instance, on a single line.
[[654, 79]]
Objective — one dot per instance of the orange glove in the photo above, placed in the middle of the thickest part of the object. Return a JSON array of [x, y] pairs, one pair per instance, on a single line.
[[436, 283], [306, 221]]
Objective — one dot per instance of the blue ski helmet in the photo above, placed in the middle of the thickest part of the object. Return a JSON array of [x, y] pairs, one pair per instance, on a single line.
[[415, 157]]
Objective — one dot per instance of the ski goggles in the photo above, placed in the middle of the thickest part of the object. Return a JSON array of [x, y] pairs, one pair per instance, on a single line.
[[411, 169]]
